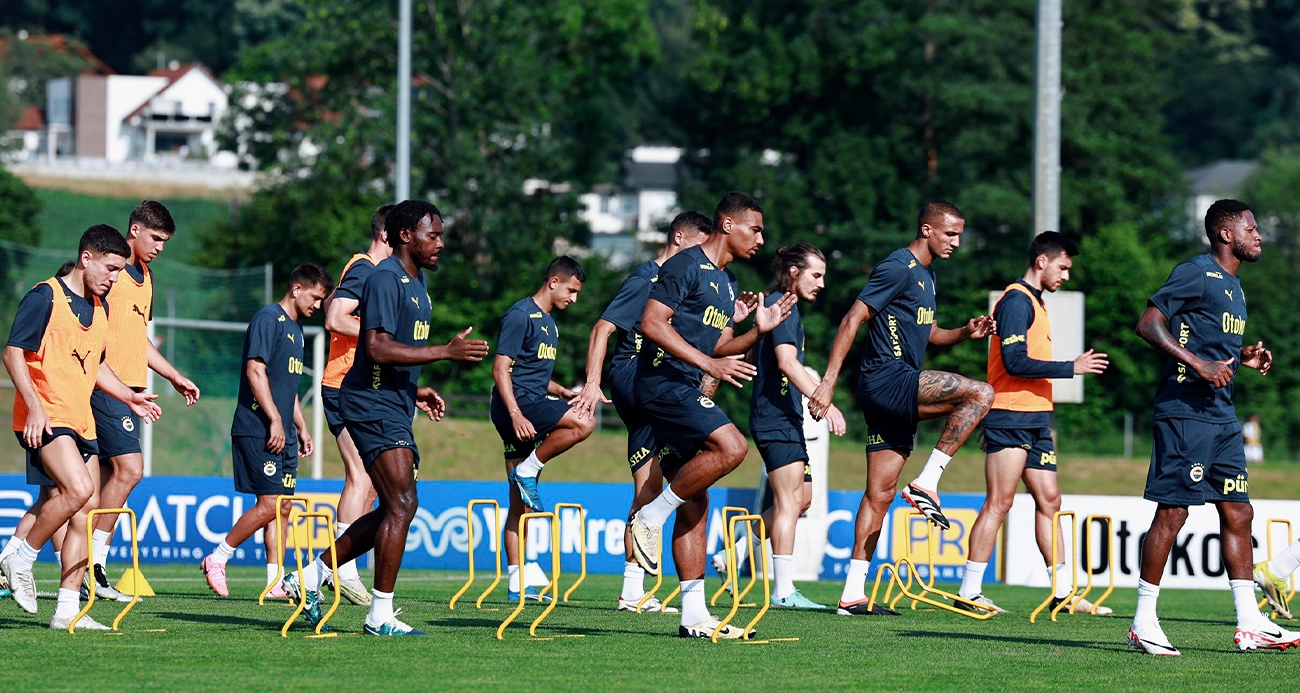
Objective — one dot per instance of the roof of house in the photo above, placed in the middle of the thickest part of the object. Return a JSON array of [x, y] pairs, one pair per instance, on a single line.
[[642, 175], [60, 43], [173, 75], [30, 119], [1223, 177]]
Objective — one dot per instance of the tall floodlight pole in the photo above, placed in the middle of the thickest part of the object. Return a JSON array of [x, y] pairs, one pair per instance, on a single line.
[[402, 184], [1047, 119]]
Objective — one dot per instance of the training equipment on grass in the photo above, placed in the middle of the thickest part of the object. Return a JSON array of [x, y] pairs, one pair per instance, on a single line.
[[90, 561], [975, 610], [495, 543], [582, 549], [733, 571], [659, 581], [555, 572], [729, 543], [1268, 537], [1067, 603], [294, 518], [284, 541]]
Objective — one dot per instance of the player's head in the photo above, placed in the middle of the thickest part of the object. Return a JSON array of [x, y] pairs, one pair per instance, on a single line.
[[149, 227], [1051, 255], [380, 249], [309, 284], [564, 278], [740, 218], [415, 227], [689, 229], [940, 224], [1231, 223], [101, 254], [799, 268]]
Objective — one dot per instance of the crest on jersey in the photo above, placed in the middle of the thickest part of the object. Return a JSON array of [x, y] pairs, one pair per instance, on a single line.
[[731, 292], [127, 424], [706, 402], [1197, 473], [269, 469]]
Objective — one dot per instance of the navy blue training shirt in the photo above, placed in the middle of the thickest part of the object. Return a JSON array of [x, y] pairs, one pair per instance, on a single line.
[[626, 309], [529, 337], [1014, 314], [275, 340], [901, 293], [692, 286], [1207, 315], [353, 281], [396, 303], [777, 405], [34, 312]]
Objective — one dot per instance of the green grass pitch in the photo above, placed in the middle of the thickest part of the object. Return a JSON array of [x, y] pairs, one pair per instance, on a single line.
[[228, 644]]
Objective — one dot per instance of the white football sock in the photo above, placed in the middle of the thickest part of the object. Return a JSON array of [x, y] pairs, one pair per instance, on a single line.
[[694, 610], [1243, 598], [782, 569], [273, 572], [1286, 562], [529, 468], [311, 575], [656, 512], [513, 570], [69, 603], [381, 608], [1063, 586], [24, 556], [972, 581], [222, 553], [1148, 594], [633, 581], [347, 571], [58, 558], [99, 545], [855, 582], [929, 478], [10, 547]]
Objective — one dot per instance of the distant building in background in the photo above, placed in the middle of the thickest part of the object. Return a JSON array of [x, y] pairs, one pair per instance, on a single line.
[[1225, 178], [628, 220]]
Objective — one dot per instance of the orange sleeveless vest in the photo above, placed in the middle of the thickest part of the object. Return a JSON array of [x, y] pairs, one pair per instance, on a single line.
[[128, 328], [343, 348], [64, 369], [1011, 393]]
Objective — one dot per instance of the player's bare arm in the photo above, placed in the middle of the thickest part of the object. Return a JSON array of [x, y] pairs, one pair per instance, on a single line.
[[386, 351], [339, 318], [141, 403], [261, 387], [38, 422], [306, 446], [787, 360], [975, 328], [654, 323], [1257, 357], [819, 402], [430, 402], [506, 391], [766, 319], [1154, 329], [597, 344], [180, 383]]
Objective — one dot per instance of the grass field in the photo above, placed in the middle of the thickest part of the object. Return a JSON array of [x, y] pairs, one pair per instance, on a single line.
[[66, 215], [225, 644]]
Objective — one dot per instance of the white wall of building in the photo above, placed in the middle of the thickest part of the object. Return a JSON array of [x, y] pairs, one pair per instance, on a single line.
[[125, 94], [655, 207]]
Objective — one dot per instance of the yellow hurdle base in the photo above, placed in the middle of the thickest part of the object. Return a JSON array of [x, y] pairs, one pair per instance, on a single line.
[[125, 585]]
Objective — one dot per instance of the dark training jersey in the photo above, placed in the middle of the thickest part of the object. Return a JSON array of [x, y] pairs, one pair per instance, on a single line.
[[901, 293], [692, 286], [275, 340], [626, 308], [1207, 315], [396, 303], [777, 405], [529, 337]]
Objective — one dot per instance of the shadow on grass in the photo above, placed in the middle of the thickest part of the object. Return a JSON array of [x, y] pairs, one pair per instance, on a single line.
[[1020, 640], [523, 623], [221, 619]]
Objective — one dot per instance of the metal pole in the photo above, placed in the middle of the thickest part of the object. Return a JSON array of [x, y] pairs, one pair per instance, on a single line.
[[402, 182], [146, 436], [317, 405], [267, 289], [1047, 120]]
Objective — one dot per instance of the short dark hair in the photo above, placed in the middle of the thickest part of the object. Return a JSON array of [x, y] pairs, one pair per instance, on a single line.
[[1222, 213], [103, 239], [152, 215], [311, 274], [734, 203], [377, 221], [690, 222], [1051, 243], [565, 267], [406, 215], [796, 255], [934, 212]]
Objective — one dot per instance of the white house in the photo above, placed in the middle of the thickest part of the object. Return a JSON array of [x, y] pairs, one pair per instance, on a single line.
[[644, 203], [1223, 178]]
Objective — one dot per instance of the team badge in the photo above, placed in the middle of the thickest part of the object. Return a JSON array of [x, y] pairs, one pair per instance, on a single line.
[[127, 424], [1197, 473], [269, 469], [706, 402]]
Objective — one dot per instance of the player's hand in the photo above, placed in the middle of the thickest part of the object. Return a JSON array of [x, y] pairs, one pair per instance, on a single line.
[[981, 327], [523, 427], [461, 349], [744, 306], [430, 402], [1257, 357], [819, 404], [187, 388], [1217, 373], [1091, 363], [275, 438], [731, 369], [36, 427], [584, 404], [709, 386], [142, 405], [836, 419], [766, 318], [306, 446]]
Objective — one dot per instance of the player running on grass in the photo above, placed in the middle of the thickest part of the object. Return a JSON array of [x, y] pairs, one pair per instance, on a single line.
[[55, 359], [623, 315], [378, 399], [898, 305], [1017, 433], [531, 412], [343, 320], [688, 324], [268, 433], [1197, 454]]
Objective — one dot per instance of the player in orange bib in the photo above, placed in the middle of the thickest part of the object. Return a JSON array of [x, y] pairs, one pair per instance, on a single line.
[[343, 320], [1017, 430], [55, 358]]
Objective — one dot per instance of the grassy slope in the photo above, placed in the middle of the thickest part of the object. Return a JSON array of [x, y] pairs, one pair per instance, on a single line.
[[234, 644], [66, 215]]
